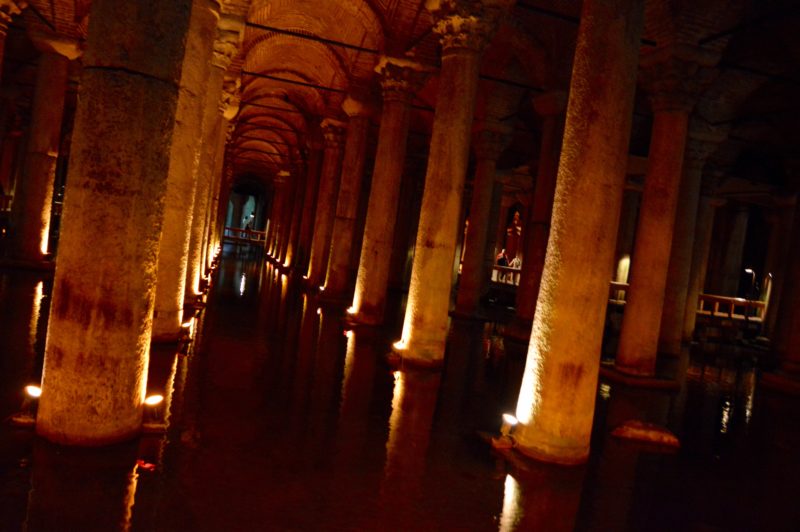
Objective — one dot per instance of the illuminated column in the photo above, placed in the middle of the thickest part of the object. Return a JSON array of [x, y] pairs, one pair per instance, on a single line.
[[550, 107], [400, 78], [788, 327], [673, 75], [34, 197], [98, 338], [337, 281], [280, 185], [490, 142], [297, 213], [556, 401], [465, 28], [292, 186], [700, 146], [8, 8], [702, 246], [315, 152], [174, 246], [226, 46], [334, 131]]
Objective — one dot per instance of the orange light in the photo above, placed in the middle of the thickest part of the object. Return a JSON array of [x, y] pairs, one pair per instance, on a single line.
[[153, 400], [33, 391]]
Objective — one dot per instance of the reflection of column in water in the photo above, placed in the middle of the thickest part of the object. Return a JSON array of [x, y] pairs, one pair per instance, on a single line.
[[81, 489], [327, 371], [546, 497], [303, 371], [413, 405]]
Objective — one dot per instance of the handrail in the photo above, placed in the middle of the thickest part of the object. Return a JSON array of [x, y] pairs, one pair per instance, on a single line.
[[736, 308], [506, 274], [5, 202], [245, 235]]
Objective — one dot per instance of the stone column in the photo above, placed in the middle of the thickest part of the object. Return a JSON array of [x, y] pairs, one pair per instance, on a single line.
[[292, 188], [700, 145], [550, 107], [184, 158], [465, 28], [788, 326], [280, 185], [237, 201], [490, 142], [732, 267], [228, 108], [702, 246], [334, 132], [338, 278], [556, 401], [226, 46], [400, 78], [315, 153], [34, 192], [673, 76], [778, 257], [96, 357], [8, 8], [297, 213]]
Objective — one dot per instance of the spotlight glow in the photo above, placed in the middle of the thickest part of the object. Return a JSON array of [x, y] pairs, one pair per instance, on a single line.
[[33, 391], [510, 419], [400, 345], [351, 310], [348, 333], [321, 288], [153, 400]]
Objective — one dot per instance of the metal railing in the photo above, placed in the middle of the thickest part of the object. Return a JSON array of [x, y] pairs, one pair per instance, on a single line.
[[506, 275], [735, 308], [244, 236]]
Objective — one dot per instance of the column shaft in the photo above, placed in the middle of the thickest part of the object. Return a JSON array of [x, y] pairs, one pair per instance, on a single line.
[[556, 402], [96, 357], [326, 201], [732, 269], [34, 197], [488, 147], [178, 203], [309, 206], [700, 254], [638, 342], [788, 326], [339, 276]]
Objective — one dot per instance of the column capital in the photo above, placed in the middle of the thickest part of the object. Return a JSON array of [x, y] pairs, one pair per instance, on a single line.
[[358, 106], [9, 8], [675, 75], [230, 31], [491, 138], [466, 25], [334, 132], [230, 97], [551, 103], [281, 178], [400, 78], [51, 43]]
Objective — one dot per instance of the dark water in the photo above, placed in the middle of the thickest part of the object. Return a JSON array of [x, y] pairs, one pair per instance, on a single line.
[[280, 419]]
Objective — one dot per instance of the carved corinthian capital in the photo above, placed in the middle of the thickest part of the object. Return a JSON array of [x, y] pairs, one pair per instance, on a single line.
[[675, 76], [230, 31], [401, 78], [466, 25]]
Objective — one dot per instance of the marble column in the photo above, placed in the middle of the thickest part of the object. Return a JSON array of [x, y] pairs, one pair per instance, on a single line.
[[226, 46], [280, 187], [700, 252], [228, 108], [297, 213], [778, 257], [489, 143], [312, 170], [400, 78], [672, 75], [237, 203], [556, 401], [8, 9], [700, 145], [334, 132], [465, 29], [338, 278], [96, 357], [788, 326], [292, 189], [184, 152], [34, 192], [550, 107]]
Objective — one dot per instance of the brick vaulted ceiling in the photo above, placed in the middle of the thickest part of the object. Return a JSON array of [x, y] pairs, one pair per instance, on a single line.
[[301, 58]]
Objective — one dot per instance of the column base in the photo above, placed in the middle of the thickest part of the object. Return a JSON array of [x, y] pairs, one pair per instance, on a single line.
[[408, 358], [87, 441], [166, 338], [574, 457], [638, 381], [357, 321], [334, 299]]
